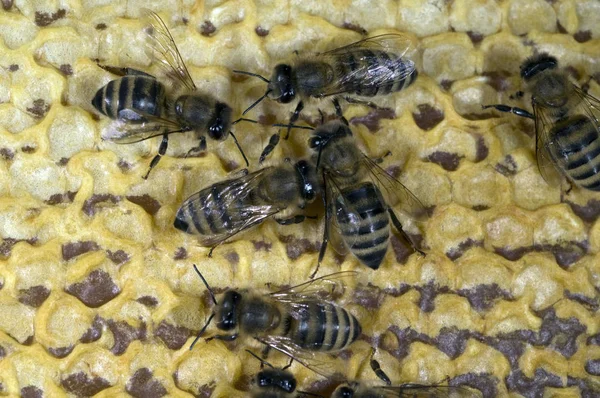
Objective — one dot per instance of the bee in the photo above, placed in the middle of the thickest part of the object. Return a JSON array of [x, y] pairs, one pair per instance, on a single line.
[[275, 382], [566, 124], [359, 198], [371, 67], [227, 208], [143, 107], [359, 389], [298, 321]]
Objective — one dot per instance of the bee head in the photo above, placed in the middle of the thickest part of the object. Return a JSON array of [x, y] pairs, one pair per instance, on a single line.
[[284, 381], [228, 310], [536, 64], [306, 173], [281, 86], [343, 392], [218, 127]]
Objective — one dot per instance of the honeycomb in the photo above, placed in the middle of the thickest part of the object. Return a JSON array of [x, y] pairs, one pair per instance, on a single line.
[[97, 292]]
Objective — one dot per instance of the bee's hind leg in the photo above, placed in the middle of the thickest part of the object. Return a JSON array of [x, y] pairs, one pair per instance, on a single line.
[[162, 149], [370, 104], [338, 111], [273, 141], [377, 369], [294, 118], [405, 236], [510, 109], [120, 71]]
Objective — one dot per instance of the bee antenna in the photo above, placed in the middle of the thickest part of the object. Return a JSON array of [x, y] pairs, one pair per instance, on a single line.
[[257, 102], [241, 72], [202, 330], [262, 361], [212, 295], [239, 148]]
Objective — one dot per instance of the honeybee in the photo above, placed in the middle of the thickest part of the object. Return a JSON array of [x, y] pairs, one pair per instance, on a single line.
[[142, 107], [374, 66], [297, 321], [566, 123], [227, 208], [360, 198], [358, 389]]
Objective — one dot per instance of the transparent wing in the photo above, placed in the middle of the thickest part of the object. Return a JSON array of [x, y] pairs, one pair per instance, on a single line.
[[326, 287], [133, 126], [335, 199], [395, 194], [227, 202], [549, 168], [161, 48], [317, 362], [357, 62]]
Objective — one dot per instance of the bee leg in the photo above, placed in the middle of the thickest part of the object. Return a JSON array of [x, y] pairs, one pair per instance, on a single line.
[[294, 118], [195, 151], [377, 369], [380, 159], [162, 149], [273, 141], [239, 148], [323, 248], [405, 236], [289, 364], [510, 109], [265, 351], [370, 104], [338, 111], [115, 70]]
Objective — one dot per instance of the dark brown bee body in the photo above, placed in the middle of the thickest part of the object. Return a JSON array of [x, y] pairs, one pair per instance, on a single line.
[[566, 123], [370, 62], [139, 93], [226, 208], [366, 237], [324, 327]]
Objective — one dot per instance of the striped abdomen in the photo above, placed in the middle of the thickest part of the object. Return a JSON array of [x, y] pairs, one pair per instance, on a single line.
[[365, 230], [372, 72], [139, 93], [322, 326], [205, 213], [578, 150]]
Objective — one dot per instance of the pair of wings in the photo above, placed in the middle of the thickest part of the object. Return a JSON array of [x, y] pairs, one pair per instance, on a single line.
[[297, 299], [231, 196], [162, 50], [357, 62], [395, 196], [552, 169]]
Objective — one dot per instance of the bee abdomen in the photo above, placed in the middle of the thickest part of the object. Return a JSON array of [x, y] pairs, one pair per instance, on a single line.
[[138, 93], [205, 213], [325, 327], [373, 72], [367, 237], [579, 148]]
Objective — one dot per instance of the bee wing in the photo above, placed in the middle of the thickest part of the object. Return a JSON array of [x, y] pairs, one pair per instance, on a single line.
[[354, 59], [134, 126], [336, 239], [240, 216], [322, 288], [162, 49], [309, 359], [549, 168], [394, 192]]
